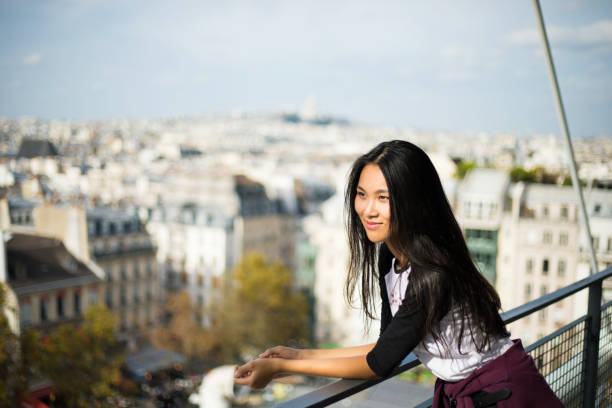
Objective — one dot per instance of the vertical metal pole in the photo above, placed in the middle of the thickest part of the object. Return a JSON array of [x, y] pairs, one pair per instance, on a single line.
[[563, 121], [591, 345]]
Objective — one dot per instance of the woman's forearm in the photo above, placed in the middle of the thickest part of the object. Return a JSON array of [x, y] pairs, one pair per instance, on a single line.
[[355, 367], [337, 352]]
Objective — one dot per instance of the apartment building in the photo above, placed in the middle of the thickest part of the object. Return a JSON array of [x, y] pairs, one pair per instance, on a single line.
[[194, 248], [51, 284], [198, 240], [479, 209], [539, 253], [120, 244]]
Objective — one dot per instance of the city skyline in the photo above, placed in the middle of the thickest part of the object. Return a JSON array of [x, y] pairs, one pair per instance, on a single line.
[[479, 67]]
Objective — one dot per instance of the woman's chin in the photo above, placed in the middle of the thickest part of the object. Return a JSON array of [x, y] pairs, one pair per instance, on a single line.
[[376, 238]]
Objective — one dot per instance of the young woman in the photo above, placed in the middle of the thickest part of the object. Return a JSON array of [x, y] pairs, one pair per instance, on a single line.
[[404, 240]]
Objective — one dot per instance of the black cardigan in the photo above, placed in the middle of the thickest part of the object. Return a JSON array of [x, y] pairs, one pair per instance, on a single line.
[[399, 334]]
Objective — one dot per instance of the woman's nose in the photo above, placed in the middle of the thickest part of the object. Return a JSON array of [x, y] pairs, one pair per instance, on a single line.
[[371, 208]]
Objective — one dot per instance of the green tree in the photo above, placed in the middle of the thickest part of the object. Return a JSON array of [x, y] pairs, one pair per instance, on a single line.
[[82, 361], [463, 168], [12, 379], [520, 174], [258, 308], [183, 333]]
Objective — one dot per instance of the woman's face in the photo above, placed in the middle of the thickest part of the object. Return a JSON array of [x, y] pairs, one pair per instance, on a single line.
[[372, 203]]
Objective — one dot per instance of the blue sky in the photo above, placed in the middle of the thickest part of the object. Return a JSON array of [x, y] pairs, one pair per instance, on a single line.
[[435, 65]]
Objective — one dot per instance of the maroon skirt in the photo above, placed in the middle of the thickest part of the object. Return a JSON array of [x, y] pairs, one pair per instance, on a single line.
[[514, 370]]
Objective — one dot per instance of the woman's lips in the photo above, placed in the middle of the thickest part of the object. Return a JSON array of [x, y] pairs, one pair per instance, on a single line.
[[372, 225]]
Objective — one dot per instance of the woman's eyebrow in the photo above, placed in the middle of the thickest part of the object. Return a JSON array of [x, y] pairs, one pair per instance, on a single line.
[[379, 191]]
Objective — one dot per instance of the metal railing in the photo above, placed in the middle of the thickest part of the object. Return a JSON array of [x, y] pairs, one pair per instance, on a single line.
[[576, 360]]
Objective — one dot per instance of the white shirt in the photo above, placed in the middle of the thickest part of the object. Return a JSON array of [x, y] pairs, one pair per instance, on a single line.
[[452, 365]]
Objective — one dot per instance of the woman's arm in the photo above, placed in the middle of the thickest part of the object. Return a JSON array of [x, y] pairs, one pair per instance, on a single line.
[[309, 354], [258, 373]]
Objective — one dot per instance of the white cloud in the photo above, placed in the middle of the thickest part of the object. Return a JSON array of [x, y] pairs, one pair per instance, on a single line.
[[32, 59]]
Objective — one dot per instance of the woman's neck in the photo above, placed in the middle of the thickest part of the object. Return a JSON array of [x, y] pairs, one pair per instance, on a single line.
[[401, 261]]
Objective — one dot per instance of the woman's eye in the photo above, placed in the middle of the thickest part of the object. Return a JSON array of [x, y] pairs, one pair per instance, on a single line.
[[384, 198], [360, 194]]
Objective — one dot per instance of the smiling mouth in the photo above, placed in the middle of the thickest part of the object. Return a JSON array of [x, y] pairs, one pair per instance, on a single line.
[[372, 225]]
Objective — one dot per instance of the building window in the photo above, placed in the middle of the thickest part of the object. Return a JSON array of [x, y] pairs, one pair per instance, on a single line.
[[93, 296], [60, 306], [563, 239], [542, 317], [545, 212], [492, 210], [527, 292], [561, 267], [25, 313], [44, 310], [597, 208], [609, 247], [122, 299], [468, 208], [529, 266], [595, 242], [200, 280], [109, 298], [564, 212], [547, 237], [109, 274], [77, 304], [123, 273], [545, 267], [136, 294], [136, 270]]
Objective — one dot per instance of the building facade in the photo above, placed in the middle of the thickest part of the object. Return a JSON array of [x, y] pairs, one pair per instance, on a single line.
[[52, 285], [481, 197], [120, 244]]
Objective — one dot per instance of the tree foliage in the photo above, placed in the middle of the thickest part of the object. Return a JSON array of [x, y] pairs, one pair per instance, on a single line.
[[12, 380], [183, 333], [463, 168], [254, 307], [82, 361], [535, 175], [259, 307]]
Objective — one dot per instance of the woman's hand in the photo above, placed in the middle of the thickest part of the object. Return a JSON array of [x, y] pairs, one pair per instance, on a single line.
[[257, 373], [283, 352]]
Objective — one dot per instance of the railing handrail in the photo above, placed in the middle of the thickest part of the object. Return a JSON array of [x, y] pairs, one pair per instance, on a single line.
[[546, 300], [341, 389]]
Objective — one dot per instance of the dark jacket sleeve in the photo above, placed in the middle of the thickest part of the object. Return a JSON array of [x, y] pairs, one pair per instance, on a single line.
[[402, 334], [399, 334]]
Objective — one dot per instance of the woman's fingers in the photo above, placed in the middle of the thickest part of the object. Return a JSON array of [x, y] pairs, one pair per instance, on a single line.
[[243, 381], [273, 351], [244, 370]]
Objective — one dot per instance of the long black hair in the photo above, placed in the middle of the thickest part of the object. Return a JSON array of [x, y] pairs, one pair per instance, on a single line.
[[425, 232]]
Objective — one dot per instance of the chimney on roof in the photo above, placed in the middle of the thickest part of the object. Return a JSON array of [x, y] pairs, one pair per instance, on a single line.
[[67, 223]]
